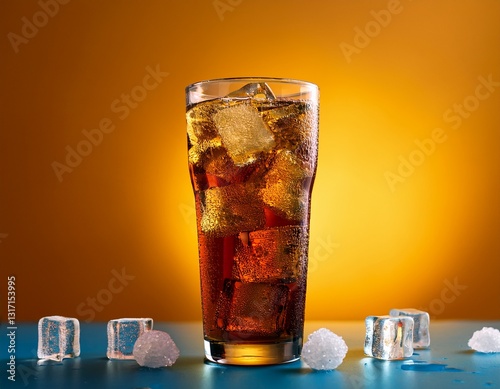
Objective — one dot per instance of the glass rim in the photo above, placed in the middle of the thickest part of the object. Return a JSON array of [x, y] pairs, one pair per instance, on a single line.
[[250, 78]]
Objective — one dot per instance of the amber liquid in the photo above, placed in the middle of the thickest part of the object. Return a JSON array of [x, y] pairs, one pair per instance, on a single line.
[[252, 211]]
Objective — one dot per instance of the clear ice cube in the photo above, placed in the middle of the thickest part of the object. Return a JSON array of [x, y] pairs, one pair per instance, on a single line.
[[286, 186], [256, 308], [244, 134], [122, 335], [228, 210], [389, 337], [255, 91], [274, 254], [58, 338], [421, 337]]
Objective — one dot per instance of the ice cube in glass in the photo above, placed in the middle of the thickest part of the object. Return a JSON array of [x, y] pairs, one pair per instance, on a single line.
[[253, 308], [275, 254], [284, 186], [230, 209], [244, 134]]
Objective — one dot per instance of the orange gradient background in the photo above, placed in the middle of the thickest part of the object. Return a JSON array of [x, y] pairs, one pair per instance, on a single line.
[[428, 240]]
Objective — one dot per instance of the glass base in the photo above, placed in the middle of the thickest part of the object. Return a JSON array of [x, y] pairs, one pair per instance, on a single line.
[[253, 353]]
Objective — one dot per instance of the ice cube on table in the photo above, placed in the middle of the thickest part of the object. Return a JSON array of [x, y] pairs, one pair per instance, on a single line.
[[286, 185], [274, 254], [243, 132], [389, 337], [122, 335], [228, 210], [255, 308], [421, 336], [58, 338], [258, 90]]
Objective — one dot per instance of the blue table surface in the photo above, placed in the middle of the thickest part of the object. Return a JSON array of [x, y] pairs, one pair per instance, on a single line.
[[455, 364]]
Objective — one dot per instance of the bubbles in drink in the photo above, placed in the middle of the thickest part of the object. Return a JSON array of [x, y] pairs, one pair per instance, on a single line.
[[253, 308], [200, 125], [276, 254], [284, 186], [294, 126], [252, 159], [288, 122], [230, 209]]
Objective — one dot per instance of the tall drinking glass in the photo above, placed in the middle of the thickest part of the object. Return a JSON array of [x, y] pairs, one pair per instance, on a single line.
[[252, 149]]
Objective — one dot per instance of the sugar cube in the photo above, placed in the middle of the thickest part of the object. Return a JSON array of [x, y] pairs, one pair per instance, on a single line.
[[155, 349]]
